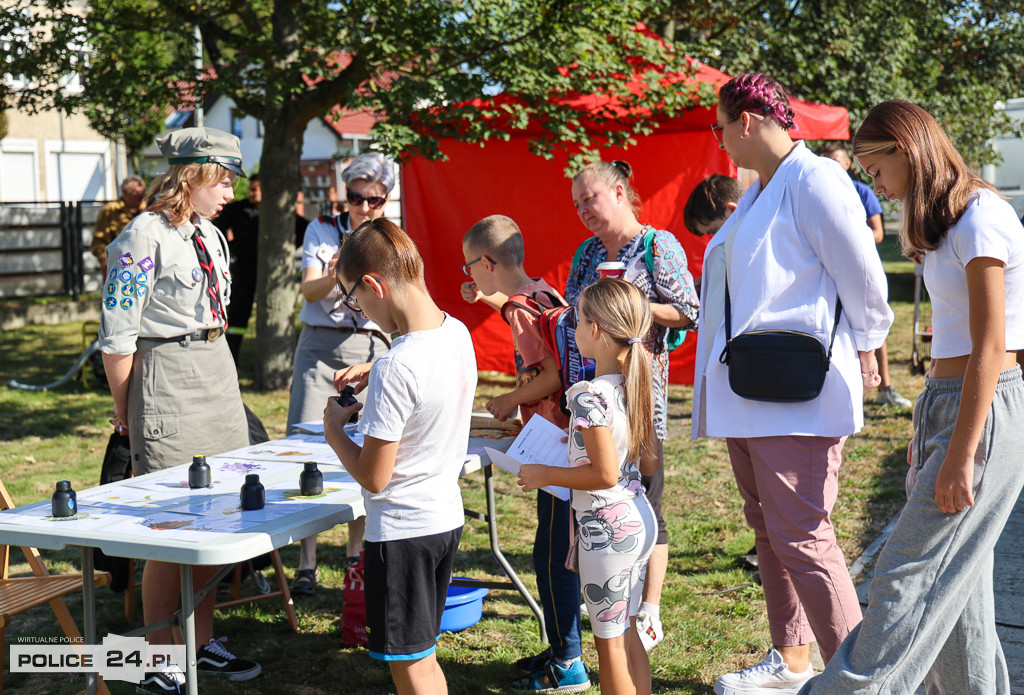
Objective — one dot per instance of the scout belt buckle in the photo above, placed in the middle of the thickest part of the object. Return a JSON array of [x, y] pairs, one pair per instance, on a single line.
[[214, 333]]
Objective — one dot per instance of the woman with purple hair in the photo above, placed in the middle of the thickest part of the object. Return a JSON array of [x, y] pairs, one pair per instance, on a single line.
[[793, 256]]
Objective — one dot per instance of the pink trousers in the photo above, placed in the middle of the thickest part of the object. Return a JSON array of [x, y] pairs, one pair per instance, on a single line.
[[789, 486]]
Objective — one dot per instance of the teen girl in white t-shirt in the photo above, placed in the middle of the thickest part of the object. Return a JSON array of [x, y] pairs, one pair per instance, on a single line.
[[611, 444], [930, 616]]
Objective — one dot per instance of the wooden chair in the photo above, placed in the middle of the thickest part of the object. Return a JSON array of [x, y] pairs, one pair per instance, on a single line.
[[283, 591], [18, 595]]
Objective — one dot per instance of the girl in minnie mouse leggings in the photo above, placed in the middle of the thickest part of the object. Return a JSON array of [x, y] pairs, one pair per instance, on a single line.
[[611, 444]]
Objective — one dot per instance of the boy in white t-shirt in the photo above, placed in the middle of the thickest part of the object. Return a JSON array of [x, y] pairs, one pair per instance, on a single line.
[[416, 427]]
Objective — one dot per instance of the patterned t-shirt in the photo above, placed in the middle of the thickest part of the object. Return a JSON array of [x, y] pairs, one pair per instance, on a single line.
[[671, 283], [602, 403]]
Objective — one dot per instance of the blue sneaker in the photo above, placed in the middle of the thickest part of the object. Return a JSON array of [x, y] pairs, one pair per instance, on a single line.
[[529, 665], [552, 678]]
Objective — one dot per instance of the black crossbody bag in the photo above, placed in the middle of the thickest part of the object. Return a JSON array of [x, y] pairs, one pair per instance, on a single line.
[[777, 366]]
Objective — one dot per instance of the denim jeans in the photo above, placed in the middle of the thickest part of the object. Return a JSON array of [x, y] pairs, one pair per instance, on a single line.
[[559, 588]]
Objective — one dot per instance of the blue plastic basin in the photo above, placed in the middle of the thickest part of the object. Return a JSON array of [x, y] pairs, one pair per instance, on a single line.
[[463, 607]]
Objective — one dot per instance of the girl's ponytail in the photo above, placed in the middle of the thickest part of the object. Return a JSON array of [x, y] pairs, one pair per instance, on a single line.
[[625, 317]]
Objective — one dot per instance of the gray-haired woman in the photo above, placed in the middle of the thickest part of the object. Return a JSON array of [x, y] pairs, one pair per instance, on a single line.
[[333, 337]]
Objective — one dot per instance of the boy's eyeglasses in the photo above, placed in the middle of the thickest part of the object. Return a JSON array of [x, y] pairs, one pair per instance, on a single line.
[[467, 271], [350, 300], [374, 202]]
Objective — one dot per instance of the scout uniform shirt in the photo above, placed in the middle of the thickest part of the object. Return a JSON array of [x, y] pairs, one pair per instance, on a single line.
[[155, 287]]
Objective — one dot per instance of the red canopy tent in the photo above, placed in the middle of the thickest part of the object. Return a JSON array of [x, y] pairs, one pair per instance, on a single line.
[[442, 199]]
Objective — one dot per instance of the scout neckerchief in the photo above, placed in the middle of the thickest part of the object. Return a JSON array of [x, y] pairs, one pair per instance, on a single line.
[[212, 284]]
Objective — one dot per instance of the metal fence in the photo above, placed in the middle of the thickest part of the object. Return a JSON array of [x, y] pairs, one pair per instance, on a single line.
[[44, 248]]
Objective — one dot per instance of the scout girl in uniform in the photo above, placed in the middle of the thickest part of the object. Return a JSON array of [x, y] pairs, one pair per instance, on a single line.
[[173, 380]]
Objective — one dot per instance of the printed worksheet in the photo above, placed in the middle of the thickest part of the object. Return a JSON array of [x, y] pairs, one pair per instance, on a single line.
[[539, 442], [512, 466]]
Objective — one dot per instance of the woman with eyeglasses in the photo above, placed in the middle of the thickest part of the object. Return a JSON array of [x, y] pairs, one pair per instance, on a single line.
[[655, 263], [795, 247], [333, 336]]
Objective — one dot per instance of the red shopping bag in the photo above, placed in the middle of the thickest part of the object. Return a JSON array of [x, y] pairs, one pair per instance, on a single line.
[[353, 607]]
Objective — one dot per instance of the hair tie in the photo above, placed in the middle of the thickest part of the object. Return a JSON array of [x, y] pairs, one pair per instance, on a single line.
[[634, 340]]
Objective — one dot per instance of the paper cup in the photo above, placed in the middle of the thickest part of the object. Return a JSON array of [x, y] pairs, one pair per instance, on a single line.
[[611, 269]]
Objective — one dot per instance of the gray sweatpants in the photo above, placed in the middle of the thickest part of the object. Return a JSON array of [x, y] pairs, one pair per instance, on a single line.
[[930, 615]]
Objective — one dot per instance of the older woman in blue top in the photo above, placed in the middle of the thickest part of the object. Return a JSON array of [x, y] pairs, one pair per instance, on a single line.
[[334, 337], [606, 203]]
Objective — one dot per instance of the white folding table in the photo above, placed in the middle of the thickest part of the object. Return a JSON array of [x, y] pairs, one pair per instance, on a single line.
[[157, 517]]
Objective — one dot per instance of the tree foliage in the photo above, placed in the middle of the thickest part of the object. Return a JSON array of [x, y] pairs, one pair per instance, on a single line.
[[289, 61], [955, 58]]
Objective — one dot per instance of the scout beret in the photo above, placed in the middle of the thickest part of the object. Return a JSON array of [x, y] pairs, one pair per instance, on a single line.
[[202, 146]]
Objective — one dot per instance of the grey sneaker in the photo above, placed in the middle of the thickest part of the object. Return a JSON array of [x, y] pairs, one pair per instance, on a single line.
[[890, 396]]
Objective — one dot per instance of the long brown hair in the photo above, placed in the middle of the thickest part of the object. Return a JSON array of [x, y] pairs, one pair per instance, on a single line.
[[172, 191], [625, 315], [940, 183]]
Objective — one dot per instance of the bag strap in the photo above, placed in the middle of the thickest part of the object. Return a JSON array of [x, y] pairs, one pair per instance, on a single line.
[[724, 357], [512, 302], [648, 247]]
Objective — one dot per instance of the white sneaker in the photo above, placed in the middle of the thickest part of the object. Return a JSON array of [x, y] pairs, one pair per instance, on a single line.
[[890, 396], [650, 629], [770, 677]]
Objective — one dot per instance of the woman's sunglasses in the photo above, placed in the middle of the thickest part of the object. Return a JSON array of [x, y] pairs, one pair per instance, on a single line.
[[356, 200]]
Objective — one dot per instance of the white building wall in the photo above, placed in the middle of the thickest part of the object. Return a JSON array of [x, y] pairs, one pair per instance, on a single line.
[[1008, 175]]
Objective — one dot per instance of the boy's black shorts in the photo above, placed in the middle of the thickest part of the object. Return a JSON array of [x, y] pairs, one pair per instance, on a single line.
[[406, 585]]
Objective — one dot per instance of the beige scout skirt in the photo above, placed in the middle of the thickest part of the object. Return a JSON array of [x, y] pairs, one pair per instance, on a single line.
[[183, 400]]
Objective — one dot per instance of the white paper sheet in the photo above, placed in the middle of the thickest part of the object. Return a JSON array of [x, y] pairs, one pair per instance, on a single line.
[[512, 466], [541, 441]]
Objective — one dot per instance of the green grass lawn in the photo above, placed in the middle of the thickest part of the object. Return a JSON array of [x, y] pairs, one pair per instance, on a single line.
[[46, 437]]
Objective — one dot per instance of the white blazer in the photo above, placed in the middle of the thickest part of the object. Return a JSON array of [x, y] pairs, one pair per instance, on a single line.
[[794, 245]]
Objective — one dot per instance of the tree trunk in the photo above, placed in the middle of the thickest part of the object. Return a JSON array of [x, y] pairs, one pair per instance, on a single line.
[[277, 286]]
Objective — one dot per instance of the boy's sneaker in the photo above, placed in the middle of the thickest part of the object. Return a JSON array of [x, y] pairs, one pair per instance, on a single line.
[[305, 582], [531, 664], [890, 396], [552, 678], [770, 677], [214, 659], [650, 629], [167, 681]]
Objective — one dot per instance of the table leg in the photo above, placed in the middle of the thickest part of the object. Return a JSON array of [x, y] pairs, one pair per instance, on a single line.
[[89, 611], [492, 529], [188, 629]]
